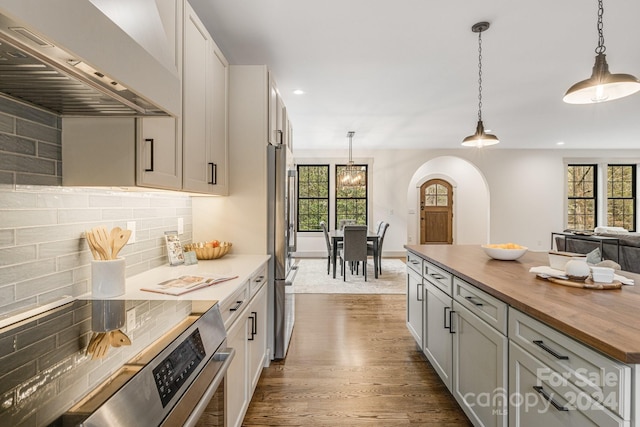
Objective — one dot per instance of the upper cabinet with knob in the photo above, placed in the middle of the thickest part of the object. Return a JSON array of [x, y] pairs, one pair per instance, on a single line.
[[188, 152]]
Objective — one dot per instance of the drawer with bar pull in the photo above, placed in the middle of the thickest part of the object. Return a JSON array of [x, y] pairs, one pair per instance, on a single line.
[[488, 308], [232, 306], [414, 262], [438, 277], [605, 380]]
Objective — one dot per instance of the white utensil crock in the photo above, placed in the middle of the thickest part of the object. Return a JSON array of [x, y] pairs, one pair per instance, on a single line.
[[108, 278]]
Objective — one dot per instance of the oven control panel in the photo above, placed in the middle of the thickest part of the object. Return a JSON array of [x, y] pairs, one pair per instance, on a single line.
[[172, 372]]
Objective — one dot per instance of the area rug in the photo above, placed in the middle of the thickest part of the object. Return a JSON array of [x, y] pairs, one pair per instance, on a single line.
[[312, 278]]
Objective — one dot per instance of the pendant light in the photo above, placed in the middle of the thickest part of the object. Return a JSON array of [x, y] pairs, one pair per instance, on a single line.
[[351, 175], [480, 138], [602, 85]]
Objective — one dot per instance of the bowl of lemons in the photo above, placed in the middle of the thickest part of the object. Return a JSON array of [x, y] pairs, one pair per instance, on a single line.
[[504, 251]]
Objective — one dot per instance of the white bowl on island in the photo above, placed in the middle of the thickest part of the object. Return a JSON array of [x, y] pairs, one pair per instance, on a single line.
[[505, 251]]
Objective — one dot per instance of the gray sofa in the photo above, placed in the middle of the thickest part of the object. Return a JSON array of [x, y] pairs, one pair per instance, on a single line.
[[626, 245]]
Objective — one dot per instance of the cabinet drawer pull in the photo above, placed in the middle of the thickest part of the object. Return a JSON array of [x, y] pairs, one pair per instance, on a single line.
[[253, 326], [552, 352], [259, 279], [414, 262], [214, 173], [237, 306], [549, 398], [436, 276], [476, 303], [418, 292], [451, 331], [445, 318], [150, 141]]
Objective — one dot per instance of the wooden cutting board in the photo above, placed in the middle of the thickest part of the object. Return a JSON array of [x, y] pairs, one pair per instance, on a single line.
[[587, 284]]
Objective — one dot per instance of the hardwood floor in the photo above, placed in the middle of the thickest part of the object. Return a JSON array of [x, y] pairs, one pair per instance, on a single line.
[[352, 362]]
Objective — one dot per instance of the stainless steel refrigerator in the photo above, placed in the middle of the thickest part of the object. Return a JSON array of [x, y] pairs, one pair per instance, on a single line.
[[281, 243]]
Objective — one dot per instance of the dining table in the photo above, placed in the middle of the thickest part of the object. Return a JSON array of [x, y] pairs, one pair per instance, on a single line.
[[338, 236]]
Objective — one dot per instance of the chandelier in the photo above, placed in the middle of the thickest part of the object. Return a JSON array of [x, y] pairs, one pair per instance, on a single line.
[[351, 175]]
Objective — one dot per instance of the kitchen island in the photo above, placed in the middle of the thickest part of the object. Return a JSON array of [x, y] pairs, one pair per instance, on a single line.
[[488, 325]]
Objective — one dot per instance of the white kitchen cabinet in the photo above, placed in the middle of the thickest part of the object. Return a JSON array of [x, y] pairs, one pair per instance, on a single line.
[[245, 316], [605, 380], [438, 336], [415, 291], [236, 393], [257, 341], [159, 153], [480, 378], [545, 398], [205, 95]]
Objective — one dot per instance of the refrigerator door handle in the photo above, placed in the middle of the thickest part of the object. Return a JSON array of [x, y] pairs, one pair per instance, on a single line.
[[292, 273]]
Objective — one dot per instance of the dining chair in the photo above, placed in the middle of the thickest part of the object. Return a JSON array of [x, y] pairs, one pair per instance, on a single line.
[[343, 222], [376, 227], [328, 242], [354, 249], [382, 230]]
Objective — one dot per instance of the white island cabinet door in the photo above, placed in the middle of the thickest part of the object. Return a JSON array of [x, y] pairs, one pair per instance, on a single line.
[[414, 305], [438, 339], [480, 369]]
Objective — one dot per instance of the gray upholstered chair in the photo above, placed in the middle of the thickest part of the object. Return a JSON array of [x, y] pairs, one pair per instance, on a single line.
[[329, 247], [382, 230], [343, 222], [355, 248]]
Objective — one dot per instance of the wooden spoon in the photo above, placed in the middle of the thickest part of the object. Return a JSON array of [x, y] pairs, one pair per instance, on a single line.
[[94, 252], [102, 241], [119, 238], [102, 255], [119, 338]]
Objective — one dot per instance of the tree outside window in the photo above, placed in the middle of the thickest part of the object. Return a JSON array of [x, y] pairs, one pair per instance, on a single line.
[[621, 196], [351, 200], [582, 197], [313, 196]]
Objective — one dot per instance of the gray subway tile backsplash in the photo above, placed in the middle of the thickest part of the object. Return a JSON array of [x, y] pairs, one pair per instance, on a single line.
[[43, 252]]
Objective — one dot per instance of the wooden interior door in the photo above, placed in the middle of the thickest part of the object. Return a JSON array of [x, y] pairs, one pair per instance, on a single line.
[[436, 212]]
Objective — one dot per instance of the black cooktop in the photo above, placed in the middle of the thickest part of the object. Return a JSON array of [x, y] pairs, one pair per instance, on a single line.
[[51, 360]]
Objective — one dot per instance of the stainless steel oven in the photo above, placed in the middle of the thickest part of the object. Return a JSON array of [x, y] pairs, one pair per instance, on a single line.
[[168, 372]]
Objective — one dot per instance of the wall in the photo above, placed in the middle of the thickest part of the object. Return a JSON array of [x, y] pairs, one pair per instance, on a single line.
[[526, 188], [43, 254]]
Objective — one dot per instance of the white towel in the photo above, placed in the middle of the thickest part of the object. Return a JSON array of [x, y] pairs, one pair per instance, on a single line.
[[546, 271]]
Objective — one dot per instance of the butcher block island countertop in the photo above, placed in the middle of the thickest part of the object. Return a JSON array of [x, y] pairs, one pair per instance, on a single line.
[[607, 320]]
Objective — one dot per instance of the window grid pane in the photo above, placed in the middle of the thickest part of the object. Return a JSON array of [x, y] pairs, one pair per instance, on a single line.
[[621, 196], [313, 196], [351, 202], [582, 200]]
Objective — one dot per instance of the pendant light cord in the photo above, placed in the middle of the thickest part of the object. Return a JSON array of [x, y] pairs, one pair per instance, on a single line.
[[601, 48], [479, 76]]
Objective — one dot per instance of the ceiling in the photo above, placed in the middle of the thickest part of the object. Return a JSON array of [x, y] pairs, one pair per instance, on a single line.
[[404, 74]]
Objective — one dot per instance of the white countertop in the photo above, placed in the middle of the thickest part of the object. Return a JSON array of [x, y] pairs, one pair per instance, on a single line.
[[243, 266]]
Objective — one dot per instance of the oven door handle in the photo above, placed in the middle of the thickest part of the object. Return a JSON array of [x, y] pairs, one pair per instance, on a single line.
[[226, 355]]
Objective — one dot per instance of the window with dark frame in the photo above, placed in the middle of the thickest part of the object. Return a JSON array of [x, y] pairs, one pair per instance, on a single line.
[[313, 197], [581, 197], [351, 201], [621, 196]]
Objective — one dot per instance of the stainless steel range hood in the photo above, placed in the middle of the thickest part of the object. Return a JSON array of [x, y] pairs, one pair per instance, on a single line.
[[34, 69]]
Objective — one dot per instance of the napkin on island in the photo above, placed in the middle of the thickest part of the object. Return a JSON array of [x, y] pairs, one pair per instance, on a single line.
[[545, 271]]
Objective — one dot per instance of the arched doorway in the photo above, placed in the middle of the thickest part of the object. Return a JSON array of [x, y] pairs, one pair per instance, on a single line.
[[436, 212]]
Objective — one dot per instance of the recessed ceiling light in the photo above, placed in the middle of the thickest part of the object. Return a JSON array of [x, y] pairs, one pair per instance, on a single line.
[[298, 92], [560, 143]]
